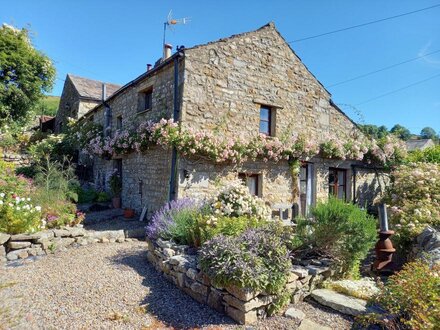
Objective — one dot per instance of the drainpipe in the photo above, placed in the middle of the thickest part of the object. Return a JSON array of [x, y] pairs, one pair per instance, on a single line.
[[353, 167], [176, 117]]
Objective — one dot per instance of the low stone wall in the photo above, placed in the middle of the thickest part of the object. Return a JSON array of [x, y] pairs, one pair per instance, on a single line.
[[16, 159], [243, 305], [427, 246], [21, 246]]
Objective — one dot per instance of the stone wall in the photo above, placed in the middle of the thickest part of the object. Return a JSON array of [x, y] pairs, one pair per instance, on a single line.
[[227, 81], [69, 104], [16, 159], [369, 185], [145, 176], [242, 305], [427, 246], [22, 246]]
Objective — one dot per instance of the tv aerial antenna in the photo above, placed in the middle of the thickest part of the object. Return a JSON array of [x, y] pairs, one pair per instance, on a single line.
[[170, 22]]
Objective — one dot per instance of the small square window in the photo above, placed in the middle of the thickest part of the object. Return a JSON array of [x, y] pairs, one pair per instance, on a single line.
[[251, 181], [146, 100], [266, 120]]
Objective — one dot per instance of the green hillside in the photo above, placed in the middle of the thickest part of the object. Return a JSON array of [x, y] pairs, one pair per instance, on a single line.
[[48, 106]]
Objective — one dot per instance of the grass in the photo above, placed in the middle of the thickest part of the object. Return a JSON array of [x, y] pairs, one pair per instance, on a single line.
[[49, 105]]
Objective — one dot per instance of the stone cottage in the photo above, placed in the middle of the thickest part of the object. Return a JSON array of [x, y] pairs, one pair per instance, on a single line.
[[238, 87], [78, 97]]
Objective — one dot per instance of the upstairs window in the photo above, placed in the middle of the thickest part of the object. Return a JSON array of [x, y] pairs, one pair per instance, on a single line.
[[119, 122], [266, 120], [145, 100], [337, 183]]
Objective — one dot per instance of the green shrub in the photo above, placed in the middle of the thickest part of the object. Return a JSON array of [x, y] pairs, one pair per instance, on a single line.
[[256, 259], [27, 171], [411, 298], [342, 230], [86, 195], [428, 155], [102, 197]]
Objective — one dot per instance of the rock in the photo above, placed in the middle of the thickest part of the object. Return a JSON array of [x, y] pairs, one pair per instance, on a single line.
[[61, 233], [2, 251], [300, 271], [104, 240], [192, 273], [180, 279], [18, 245], [292, 277], [241, 293], [310, 325], [215, 300], [120, 240], [4, 238], [249, 305], [295, 314], [183, 261], [341, 303], [163, 244], [167, 252], [17, 254], [240, 316], [23, 237], [203, 278], [315, 270], [199, 288], [76, 232]]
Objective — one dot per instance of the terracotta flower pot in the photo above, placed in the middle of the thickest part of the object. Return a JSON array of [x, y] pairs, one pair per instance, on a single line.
[[116, 202], [128, 213]]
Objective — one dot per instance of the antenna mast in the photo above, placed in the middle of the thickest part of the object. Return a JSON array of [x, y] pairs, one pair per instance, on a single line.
[[172, 21]]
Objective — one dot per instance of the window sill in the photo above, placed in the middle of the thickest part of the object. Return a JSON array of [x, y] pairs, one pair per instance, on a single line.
[[143, 111]]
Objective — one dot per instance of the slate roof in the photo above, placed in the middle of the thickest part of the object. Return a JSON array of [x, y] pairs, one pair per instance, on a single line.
[[92, 89], [419, 144]]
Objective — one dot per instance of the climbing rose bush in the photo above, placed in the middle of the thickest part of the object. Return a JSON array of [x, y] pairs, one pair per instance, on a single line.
[[188, 142], [414, 197], [234, 200]]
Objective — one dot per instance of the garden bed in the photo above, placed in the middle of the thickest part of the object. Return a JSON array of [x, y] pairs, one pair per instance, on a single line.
[[245, 306]]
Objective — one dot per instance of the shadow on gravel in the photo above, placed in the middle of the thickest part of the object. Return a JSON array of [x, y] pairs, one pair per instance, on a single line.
[[165, 301]]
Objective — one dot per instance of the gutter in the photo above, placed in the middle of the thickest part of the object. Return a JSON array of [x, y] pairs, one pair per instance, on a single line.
[[176, 116]]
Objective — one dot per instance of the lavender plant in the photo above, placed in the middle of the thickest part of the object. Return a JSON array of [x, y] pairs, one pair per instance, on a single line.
[[175, 221]]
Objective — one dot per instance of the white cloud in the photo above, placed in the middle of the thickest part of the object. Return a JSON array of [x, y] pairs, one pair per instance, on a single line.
[[428, 59]]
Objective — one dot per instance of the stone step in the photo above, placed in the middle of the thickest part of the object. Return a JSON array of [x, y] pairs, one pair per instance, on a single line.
[[311, 325], [340, 302]]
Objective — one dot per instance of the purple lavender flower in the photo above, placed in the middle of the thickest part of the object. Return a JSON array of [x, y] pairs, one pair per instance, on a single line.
[[163, 219]]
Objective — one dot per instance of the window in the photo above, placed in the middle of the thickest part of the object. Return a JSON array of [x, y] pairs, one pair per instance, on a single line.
[[145, 100], [266, 120], [252, 182], [337, 183], [306, 188], [119, 122]]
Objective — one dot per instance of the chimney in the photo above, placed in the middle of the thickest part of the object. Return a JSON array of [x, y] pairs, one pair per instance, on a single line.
[[149, 66], [104, 92], [167, 51]]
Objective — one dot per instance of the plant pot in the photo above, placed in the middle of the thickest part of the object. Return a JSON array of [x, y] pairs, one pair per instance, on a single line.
[[116, 202], [128, 213]]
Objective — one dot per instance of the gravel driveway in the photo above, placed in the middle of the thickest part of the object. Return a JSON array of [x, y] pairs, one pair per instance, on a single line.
[[104, 286]]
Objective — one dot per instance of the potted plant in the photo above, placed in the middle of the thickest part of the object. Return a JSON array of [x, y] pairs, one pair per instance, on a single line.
[[129, 211], [116, 187]]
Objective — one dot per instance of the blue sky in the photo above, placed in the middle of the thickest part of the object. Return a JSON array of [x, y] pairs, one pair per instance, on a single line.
[[113, 40]]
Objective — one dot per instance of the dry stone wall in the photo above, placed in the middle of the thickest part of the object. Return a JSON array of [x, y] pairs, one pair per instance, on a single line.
[[22, 246], [16, 159], [242, 305]]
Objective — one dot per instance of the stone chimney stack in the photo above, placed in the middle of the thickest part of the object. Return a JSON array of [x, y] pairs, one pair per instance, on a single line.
[[104, 92], [167, 51], [149, 66]]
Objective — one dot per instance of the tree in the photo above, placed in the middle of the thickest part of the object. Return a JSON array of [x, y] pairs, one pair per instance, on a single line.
[[374, 131], [25, 75], [428, 133], [402, 132]]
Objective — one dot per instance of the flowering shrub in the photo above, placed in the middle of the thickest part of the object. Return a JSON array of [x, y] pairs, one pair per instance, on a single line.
[[428, 155], [414, 197], [234, 200], [174, 221], [18, 215], [256, 259], [411, 297], [342, 230], [168, 133]]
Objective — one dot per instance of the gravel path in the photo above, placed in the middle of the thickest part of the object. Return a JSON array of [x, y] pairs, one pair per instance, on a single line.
[[111, 286]]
